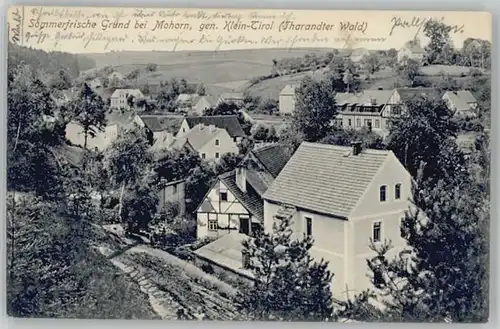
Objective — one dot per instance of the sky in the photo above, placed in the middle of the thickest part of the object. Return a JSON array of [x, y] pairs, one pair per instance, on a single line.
[[99, 29]]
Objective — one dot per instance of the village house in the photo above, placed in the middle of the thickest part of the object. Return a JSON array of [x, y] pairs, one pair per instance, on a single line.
[[287, 99], [228, 122], [63, 97], [342, 197], [194, 103], [172, 193], [234, 202], [411, 50], [362, 110], [116, 121], [119, 98], [462, 102], [210, 142], [400, 96], [358, 54], [231, 98]]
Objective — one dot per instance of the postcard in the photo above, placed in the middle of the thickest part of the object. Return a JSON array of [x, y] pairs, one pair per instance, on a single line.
[[231, 164]]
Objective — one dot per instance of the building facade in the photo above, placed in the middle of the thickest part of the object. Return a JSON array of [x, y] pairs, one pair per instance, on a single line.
[[229, 123], [343, 197], [119, 98], [234, 203], [173, 192], [287, 99]]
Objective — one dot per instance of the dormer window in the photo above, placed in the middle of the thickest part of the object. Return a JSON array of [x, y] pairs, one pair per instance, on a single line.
[[383, 193]]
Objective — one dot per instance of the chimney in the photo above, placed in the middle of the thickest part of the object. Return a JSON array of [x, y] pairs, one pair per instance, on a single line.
[[241, 178], [356, 147], [211, 128], [373, 101]]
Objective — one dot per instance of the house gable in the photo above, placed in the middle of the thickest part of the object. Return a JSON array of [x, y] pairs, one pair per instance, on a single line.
[[225, 145], [390, 173], [183, 129]]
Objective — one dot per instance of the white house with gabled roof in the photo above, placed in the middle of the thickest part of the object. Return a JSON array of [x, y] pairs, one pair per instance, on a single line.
[[342, 197], [120, 96]]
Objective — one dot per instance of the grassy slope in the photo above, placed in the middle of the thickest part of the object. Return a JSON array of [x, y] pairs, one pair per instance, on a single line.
[[220, 71]]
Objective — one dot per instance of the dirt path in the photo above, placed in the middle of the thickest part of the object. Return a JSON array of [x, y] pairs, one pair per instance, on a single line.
[[173, 284], [163, 305]]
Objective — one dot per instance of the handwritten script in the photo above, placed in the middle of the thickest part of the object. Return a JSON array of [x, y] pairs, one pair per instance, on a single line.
[[89, 29], [419, 24], [15, 30]]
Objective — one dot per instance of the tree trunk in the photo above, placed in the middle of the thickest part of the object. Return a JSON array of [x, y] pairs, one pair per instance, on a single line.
[[86, 134], [120, 204], [17, 136]]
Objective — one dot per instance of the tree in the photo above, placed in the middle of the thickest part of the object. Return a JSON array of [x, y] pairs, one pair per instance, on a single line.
[[409, 70], [345, 137], [89, 111], [151, 67], [314, 110], [442, 275], [134, 75], [140, 204], [348, 79], [371, 63], [34, 129], [289, 285], [227, 163], [200, 90], [446, 82], [420, 134], [61, 80], [439, 35], [183, 86], [128, 159]]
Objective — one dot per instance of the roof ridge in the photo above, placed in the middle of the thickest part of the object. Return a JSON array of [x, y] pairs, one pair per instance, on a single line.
[[332, 147]]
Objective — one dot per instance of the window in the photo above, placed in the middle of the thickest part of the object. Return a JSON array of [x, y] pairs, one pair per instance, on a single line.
[[216, 142], [308, 226], [358, 122], [216, 155], [223, 196], [349, 123], [383, 192], [397, 191], [203, 155], [377, 231], [212, 225], [377, 123], [183, 130]]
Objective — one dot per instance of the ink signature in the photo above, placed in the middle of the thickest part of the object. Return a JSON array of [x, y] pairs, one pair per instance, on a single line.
[[419, 23], [16, 29]]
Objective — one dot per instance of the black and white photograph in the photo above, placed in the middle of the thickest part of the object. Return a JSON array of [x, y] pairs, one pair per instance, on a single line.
[[243, 165]]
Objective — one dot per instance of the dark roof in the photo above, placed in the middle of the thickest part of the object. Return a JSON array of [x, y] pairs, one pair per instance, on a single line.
[[407, 94], [250, 200], [161, 122], [326, 179], [228, 122], [273, 157]]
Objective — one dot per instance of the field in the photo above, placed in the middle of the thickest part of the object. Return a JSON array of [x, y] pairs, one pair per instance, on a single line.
[[270, 88], [227, 71], [221, 71]]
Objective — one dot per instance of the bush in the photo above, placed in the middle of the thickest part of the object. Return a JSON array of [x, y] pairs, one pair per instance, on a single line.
[[207, 268], [474, 72]]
